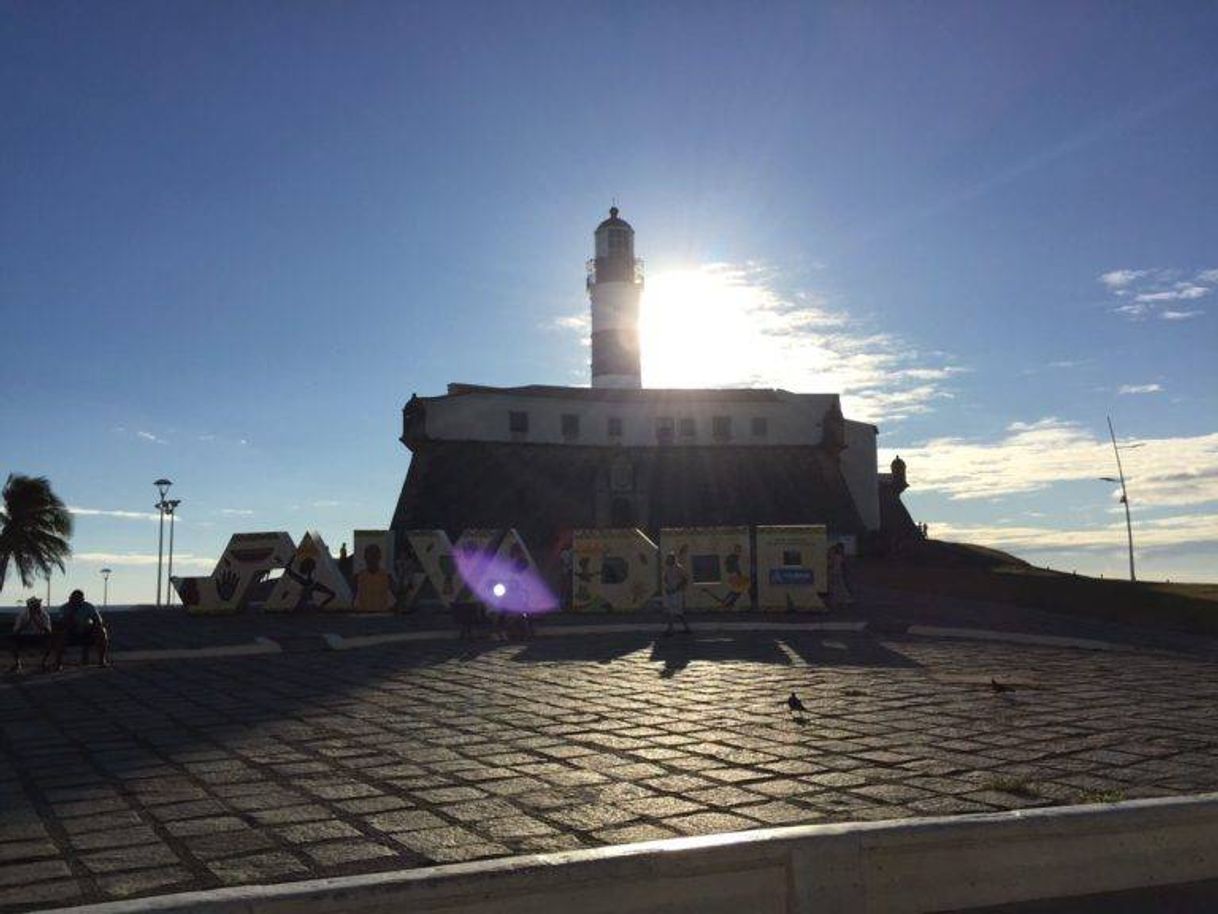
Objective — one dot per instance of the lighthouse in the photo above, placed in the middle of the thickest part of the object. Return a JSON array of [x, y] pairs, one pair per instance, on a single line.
[[615, 281]]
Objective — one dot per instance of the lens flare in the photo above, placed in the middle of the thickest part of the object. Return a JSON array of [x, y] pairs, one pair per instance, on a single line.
[[505, 584]]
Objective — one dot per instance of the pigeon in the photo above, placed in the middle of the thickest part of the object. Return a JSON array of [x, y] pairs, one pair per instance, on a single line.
[[795, 704], [1000, 687]]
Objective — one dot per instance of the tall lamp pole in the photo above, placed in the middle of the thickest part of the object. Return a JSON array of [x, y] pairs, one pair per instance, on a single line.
[[105, 573], [162, 487], [171, 506], [1124, 494]]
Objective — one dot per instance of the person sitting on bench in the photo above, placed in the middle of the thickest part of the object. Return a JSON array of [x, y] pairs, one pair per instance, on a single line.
[[32, 627], [80, 623]]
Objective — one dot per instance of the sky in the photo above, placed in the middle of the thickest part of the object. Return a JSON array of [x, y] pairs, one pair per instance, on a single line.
[[236, 237]]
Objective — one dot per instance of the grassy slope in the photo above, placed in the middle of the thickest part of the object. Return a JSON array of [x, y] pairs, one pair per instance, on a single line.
[[975, 572]]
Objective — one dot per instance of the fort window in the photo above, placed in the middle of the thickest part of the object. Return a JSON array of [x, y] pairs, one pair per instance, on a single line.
[[664, 429], [518, 422], [688, 428], [705, 569], [760, 426], [722, 427], [615, 427], [570, 425]]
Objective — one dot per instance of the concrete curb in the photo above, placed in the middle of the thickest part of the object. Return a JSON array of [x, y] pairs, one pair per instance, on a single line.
[[914, 865], [333, 641], [336, 642], [257, 646]]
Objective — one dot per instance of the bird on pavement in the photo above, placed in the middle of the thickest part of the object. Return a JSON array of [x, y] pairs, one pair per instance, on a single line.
[[1000, 687], [795, 704]]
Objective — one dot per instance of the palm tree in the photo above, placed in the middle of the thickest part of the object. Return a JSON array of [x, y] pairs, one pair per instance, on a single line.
[[34, 529]]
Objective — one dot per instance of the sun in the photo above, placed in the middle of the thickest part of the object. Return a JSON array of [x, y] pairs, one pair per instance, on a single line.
[[699, 327]]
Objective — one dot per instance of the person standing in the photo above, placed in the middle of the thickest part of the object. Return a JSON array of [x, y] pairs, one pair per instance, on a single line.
[[32, 626], [81, 623], [675, 580], [839, 592]]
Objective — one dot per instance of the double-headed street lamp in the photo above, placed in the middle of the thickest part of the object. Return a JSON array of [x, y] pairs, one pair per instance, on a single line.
[[105, 573], [1120, 477], [162, 487], [171, 506]]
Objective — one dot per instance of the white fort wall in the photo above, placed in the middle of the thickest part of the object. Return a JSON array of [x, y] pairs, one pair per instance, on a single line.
[[859, 469], [790, 419]]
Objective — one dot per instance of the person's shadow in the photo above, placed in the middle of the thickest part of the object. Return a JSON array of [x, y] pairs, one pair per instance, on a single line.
[[675, 652]]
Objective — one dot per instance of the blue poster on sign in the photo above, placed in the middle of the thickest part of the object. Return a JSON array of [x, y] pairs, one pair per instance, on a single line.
[[792, 577]]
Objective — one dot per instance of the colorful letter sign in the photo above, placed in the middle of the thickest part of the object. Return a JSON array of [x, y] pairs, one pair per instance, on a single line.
[[791, 567], [247, 560], [612, 570], [718, 561]]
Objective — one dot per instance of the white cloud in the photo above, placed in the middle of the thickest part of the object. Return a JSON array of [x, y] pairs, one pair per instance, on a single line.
[[1182, 292], [1143, 291], [236, 512], [1118, 279], [1139, 389], [1178, 530], [1033, 456], [124, 515], [148, 436], [326, 503], [180, 560], [581, 322]]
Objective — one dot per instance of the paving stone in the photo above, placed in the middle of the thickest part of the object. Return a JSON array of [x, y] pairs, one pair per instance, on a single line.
[[373, 804], [39, 893], [449, 845], [257, 868], [546, 844], [89, 808], [228, 844], [285, 814], [723, 796], [709, 823], [405, 820], [513, 827], [479, 809], [310, 832], [136, 857], [339, 853], [779, 813], [453, 794], [193, 810], [663, 807], [633, 834], [141, 882], [20, 851], [190, 827], [21, 873], [592, 817]]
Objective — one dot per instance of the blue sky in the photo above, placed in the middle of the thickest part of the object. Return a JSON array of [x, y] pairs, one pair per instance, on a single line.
[[235, 237]]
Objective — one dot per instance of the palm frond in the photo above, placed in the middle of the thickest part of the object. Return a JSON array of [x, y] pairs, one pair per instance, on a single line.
[[34, 529]]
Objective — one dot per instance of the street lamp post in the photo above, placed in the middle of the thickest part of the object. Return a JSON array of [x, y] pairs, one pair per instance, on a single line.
[[1124, 494], [162, 487], [171, 507], [105, 573]]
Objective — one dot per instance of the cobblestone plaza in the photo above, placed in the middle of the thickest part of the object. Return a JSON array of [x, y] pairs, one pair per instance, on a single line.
[[165, 776]]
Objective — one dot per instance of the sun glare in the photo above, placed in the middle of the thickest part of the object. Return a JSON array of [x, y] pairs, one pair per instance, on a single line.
[[697, 330]]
